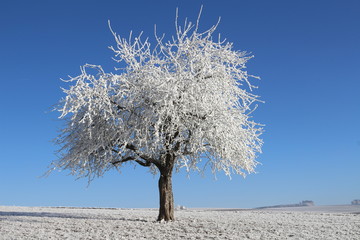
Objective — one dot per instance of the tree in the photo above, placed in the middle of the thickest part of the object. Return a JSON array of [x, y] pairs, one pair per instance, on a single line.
[[177, 104]]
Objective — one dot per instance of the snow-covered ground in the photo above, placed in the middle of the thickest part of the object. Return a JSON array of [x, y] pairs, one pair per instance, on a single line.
[[77, 223]]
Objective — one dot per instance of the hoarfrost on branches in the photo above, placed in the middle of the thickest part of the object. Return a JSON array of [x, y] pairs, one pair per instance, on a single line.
[[189, 97]]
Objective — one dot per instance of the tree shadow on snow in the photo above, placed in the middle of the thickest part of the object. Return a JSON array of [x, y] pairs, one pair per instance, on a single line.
[[65, 215], [40, 214]]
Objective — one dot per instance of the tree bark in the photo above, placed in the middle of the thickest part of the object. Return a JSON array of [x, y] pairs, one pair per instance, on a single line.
[[166, 210]]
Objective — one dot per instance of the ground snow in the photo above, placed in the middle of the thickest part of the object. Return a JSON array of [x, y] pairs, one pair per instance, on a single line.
[[76, 223]]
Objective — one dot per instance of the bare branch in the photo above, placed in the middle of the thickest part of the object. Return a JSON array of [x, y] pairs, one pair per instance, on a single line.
[[117, 105], [123, 160], [148, 160], [144, 164]]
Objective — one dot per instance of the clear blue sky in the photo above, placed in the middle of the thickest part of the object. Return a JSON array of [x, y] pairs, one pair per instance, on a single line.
[[306, 52]]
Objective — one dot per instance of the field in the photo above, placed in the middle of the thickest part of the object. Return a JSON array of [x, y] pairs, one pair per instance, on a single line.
[[337, 222]]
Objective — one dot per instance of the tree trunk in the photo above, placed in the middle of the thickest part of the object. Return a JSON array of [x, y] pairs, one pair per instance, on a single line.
[[166, 210]]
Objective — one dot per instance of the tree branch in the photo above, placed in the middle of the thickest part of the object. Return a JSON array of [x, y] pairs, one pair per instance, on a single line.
[[123, 160], [144, 164], [147, 159], [117, 105], [195, 115]]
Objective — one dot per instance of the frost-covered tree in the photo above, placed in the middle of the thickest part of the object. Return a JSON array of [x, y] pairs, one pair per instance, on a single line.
[[180, 103]]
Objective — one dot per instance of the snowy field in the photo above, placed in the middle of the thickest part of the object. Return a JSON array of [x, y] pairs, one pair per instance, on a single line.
[[339, 222]]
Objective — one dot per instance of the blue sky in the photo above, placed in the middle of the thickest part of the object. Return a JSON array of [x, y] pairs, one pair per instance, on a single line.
[[306, 53]]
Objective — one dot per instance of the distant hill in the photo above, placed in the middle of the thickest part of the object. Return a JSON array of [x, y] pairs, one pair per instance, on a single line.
[[305, 203], [353, 209]]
